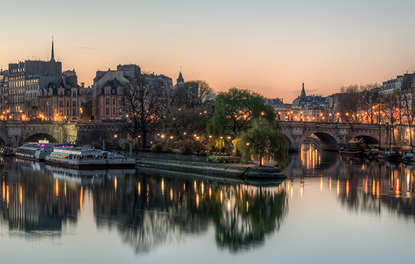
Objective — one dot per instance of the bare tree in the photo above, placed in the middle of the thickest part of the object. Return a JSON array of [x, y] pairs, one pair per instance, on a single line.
[[190, 109], [390, 103], [408, 109], [369, 100], [348, 101], [145, 105]]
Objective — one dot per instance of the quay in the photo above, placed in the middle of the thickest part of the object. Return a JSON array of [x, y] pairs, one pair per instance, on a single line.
[[200, 165]]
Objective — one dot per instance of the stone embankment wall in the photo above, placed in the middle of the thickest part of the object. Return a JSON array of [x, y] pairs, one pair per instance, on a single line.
[[188, 163]]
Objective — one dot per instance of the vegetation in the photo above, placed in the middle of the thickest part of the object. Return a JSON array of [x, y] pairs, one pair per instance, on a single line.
[[86, 111], [252, 143], [235, 110], [190, 109], [145, 105]]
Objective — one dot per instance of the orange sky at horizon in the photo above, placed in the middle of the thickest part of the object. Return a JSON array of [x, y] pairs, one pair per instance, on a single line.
[[270, 47]]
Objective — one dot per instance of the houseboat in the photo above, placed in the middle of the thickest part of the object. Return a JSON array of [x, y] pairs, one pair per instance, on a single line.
[[87, 158], [37, 152], [354, 148], [7, 151]]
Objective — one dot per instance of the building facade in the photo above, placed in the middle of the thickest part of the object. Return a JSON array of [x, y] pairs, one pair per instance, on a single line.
[[26, 81]]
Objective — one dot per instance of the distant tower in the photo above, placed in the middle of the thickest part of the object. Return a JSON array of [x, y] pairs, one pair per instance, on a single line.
[[52, 57], [303, 92], [180, 80]]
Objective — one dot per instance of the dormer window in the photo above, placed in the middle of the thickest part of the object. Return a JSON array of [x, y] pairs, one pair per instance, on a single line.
[[107, 91], [74, 93]]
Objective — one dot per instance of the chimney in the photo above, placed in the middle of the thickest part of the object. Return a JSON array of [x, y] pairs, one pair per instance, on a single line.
[[82, 84]]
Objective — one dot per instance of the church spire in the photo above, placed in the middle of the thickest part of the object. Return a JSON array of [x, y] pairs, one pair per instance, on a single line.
[[180, 80], [303, 92], [52, 57]]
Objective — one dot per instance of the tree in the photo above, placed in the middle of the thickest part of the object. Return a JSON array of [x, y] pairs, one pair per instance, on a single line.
[[145, 105], [390, 104], [408, 109], [348, 101], [253, 142], [369, 99], [86, 110], [192, 94], [190, 109], [235, 110]]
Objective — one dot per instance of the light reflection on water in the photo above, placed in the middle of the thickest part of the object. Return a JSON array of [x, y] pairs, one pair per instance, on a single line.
[[109, 216]]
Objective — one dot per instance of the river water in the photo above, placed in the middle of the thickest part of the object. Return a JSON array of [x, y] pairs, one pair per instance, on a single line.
[[330, 210]]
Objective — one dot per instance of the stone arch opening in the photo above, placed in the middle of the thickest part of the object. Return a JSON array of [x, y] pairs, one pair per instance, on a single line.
[[328, 142], [40, 136], [368, 139]]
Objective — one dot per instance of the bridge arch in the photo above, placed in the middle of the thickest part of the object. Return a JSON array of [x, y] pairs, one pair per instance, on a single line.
[[367, 139], [41, 136], [329, 141]]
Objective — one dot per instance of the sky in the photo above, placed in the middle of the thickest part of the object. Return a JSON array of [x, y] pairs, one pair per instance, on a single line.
[[270, 47]]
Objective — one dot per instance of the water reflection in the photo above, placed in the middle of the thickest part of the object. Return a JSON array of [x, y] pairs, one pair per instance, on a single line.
[[150, 209], [34, 201], [242, 215], [361, 185]]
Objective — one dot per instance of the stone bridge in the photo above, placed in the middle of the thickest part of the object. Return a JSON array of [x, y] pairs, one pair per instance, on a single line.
[[333, 134], [15, 133]]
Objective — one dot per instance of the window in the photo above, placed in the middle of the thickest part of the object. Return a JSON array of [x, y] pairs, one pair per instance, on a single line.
[[107, 111], [113, 111], [74, 93], [60, 103], [67, 112], [107, 101], [107, 91], [74, 103], [67, 103], [113, 101], [74, 112]]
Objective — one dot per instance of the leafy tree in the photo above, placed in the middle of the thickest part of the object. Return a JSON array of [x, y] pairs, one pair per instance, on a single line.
[[235, 110], [145, 105], [253, 142]]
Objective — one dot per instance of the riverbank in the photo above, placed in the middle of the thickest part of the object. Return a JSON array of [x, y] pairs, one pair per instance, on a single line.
[[203, 165]]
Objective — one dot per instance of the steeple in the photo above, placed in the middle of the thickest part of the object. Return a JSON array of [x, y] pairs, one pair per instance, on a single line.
[[52, 57], [303, 92], [180, 80]]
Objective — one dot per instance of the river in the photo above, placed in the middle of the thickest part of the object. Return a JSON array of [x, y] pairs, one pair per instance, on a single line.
[[329, 210]]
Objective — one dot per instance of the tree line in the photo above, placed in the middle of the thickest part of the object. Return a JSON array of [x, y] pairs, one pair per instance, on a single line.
[[191, 119], [369, 104]]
